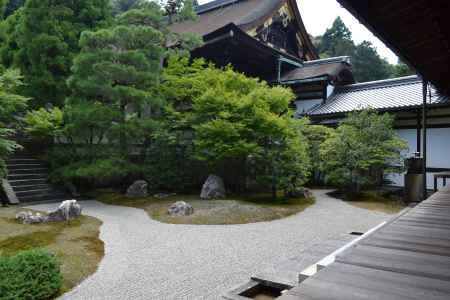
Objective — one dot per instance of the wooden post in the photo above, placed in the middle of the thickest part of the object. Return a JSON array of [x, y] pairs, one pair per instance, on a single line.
[[424, 139], [419, 132]]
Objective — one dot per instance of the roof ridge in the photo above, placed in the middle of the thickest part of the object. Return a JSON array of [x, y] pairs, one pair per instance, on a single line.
[[323, 61], [214, 5], [380, 83]]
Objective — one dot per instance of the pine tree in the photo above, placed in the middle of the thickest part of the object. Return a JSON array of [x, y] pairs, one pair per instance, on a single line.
[[46, 39], [119, 67]]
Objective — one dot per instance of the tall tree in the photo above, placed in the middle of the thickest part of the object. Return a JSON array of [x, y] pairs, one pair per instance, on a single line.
[[11, 103], [367, 63], [121, 6], [47, 35], [119, 67], [337, 40]]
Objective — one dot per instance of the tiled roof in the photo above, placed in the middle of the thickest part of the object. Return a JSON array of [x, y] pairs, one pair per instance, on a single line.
[[387, 94], [217, 14], [330, 67]]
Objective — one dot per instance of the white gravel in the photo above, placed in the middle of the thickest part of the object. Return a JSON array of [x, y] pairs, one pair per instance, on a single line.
[[146, 259]]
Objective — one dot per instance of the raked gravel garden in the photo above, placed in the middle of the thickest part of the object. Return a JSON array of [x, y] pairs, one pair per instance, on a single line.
[[148, 259]]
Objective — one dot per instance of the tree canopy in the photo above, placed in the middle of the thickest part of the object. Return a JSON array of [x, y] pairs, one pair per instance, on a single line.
[[239, 118], [42, 39], [364, 144], [368, 65], [11, 104]]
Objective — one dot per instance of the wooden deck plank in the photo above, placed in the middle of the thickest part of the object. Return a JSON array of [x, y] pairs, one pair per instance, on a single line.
[[399, 261], [341, 281]]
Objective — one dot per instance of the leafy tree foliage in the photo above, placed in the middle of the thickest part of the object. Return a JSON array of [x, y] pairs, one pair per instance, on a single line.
[[367, 63], [8, 7], [121, 6], [11, 103], [316, 136], [363, 145], [45, 40], [114, 101], [236, 118]]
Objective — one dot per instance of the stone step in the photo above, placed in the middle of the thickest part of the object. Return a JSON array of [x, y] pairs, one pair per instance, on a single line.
[[27, 187], [31, 192], [27, 171], [53, 195], [26, 182], [27, 176], [12, 161], [15, 166]]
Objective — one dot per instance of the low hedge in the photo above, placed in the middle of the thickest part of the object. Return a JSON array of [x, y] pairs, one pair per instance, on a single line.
[[31, 274]]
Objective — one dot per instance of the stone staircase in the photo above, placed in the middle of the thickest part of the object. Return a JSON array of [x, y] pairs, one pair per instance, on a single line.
[[28, 182]]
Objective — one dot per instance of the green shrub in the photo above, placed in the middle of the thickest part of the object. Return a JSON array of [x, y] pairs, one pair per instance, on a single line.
[[33, 274], [102, 172]]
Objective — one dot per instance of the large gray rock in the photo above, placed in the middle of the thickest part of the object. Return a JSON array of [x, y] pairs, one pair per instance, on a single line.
[[213, 188], [180, 208], [67, 210], [138, 189]]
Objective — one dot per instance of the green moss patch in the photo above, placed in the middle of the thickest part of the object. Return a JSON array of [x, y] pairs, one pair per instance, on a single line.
[[76, 244], [376, 200], [233, 210]]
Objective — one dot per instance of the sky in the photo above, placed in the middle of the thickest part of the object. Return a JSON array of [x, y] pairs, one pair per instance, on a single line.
[[318, 15]]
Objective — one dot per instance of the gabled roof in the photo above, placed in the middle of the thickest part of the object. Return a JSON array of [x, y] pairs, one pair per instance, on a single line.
[[334, 69], [245, 14], [390, 94]]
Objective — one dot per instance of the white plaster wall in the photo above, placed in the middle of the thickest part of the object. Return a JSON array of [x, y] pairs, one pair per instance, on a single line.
[[438, 152], [330, 90], [303, 106]]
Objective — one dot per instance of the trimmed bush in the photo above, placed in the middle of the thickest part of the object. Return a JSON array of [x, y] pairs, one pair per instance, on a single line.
[[32, 274]]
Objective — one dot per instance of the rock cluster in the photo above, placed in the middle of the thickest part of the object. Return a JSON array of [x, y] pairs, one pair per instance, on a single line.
[[180, 208], [139, 189], [67, 210], [213, 188]]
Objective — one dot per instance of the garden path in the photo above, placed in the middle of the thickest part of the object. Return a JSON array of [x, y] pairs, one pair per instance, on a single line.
[[146, 259]]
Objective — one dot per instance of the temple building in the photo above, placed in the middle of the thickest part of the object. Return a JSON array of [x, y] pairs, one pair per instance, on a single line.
[[267, 39]]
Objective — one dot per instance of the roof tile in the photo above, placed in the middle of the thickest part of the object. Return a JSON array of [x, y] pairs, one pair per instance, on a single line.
[[383, 94]]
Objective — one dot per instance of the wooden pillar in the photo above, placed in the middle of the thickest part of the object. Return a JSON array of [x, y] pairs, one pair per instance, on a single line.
[[419, 132], [424, 140]]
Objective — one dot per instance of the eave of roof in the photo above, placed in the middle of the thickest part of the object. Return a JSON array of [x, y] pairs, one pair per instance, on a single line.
[[417, 31], [321, 69], [403, 93]]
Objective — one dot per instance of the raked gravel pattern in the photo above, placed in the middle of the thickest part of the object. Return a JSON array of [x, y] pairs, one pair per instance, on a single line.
[[146, 259]]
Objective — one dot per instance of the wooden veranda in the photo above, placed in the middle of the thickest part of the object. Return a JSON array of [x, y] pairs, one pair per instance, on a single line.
[[408, 258]]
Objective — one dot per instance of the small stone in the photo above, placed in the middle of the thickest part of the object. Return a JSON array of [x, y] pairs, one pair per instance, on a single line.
[[138, 189], [213, 188], [180, 208]]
